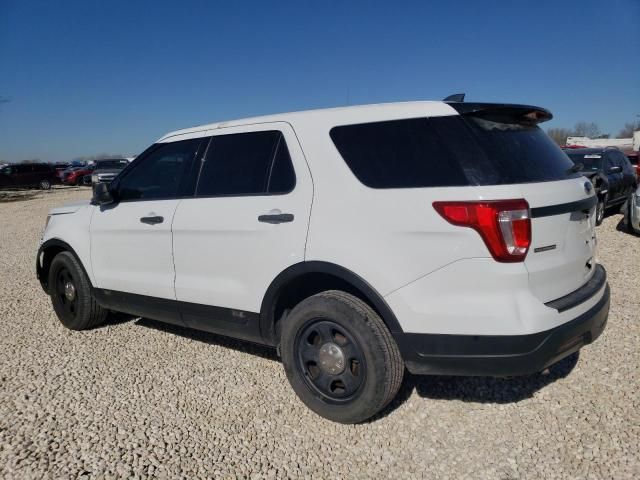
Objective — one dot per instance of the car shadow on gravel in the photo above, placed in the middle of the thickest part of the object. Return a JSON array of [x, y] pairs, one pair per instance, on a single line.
[[467, 389], [622, 227], [211, 338], [7, 196], [479, 389]]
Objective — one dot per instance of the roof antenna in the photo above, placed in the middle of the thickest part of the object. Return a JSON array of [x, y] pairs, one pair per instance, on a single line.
[[456, 97]]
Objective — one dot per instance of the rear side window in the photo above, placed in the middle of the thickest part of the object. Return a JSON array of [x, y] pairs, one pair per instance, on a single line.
[[160, 173], [449, 151], [247, 164]]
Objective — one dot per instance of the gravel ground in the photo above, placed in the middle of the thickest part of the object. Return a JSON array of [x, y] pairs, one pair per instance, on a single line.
[[140, 399]]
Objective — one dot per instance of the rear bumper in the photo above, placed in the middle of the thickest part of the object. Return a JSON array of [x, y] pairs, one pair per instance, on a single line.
[[501, 355]]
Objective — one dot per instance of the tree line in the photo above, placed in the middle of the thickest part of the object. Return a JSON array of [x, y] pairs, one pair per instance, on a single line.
[[591, 130]]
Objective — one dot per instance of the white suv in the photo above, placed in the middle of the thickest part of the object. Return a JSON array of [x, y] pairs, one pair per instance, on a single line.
[[445, 237]]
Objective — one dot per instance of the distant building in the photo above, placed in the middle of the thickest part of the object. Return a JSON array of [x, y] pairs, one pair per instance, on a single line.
[[627, 145]]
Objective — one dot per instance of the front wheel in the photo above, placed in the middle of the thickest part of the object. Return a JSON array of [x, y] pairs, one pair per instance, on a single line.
[[340, 358], [44, 184], [71, 296]]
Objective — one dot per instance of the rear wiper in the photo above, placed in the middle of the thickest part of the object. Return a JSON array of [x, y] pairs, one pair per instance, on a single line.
[[576, 168]]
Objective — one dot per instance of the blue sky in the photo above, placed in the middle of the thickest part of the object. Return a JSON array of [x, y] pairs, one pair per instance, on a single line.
[[88, 77]]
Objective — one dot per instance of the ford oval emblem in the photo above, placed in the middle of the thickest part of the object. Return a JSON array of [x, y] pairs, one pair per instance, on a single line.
[[588, 187]]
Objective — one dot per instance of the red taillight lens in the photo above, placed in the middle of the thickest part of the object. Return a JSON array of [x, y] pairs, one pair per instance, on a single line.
[[504, 225]]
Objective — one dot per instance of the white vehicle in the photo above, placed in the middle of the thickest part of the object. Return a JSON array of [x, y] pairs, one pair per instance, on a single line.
[[445, 237], [631, 210]]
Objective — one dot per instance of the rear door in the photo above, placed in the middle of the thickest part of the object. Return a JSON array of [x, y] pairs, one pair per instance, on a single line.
[[628, 174], [247, 223]]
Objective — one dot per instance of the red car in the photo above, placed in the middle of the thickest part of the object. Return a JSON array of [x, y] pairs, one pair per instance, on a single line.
[[73, 176]]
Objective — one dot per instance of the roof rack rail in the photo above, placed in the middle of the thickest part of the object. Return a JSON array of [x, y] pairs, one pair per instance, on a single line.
[[456, 97]]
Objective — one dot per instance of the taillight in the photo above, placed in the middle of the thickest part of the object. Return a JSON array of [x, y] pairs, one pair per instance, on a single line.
[[504, 225]]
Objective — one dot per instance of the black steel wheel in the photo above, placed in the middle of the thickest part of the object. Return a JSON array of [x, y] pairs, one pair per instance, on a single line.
[[331, 359], [71, 296], [65, 291], [339, 357]]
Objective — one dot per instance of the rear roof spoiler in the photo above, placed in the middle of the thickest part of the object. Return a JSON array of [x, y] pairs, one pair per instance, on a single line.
[[500, 112]]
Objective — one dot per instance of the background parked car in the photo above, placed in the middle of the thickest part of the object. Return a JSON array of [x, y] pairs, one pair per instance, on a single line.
[[611, 173], [106, 170], [633, 159], [74, 175], [40, 175]]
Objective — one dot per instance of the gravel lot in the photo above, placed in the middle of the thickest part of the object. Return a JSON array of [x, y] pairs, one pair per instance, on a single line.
[[139, 399]]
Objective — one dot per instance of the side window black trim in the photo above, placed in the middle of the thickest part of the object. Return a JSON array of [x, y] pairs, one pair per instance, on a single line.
[[268, 182]]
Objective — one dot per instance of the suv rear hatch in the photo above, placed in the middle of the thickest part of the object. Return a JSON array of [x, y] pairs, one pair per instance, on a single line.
[[511, 149], [525, 198]]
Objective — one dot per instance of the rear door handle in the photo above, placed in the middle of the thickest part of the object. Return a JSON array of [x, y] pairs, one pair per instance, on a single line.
[[152, 220], [276, 218]]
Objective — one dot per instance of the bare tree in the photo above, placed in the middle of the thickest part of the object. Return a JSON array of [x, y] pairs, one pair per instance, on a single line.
[[628, 129], [584, 129], [559, 135]]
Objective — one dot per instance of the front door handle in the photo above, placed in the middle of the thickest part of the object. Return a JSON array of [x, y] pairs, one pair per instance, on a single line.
[[152, 220], [276, 218]]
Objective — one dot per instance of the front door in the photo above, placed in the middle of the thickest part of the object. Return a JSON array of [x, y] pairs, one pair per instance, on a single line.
[[247, 223], [131, 246]]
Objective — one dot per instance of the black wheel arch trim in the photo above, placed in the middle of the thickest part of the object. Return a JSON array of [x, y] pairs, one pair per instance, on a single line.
[[42, 268], [290, 274]]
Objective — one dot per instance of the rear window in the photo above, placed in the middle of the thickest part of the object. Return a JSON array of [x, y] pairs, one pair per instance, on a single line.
[[590, 161], [115, 164], [449, 151]]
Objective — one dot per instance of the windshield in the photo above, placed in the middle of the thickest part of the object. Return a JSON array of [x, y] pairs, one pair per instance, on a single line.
[[591, 162], [115, 164]]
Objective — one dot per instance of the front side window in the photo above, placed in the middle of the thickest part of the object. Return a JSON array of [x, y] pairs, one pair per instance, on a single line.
[[161, 173], [251, 163]]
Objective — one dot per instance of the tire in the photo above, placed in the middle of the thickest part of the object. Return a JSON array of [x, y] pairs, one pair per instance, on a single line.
[[628, 206], [44, 184], [601, 208], [75, 306], [339, 357]]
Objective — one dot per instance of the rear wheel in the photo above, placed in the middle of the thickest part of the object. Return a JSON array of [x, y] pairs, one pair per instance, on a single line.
[[44, 184], [71, 296], [340, 358], [600, 209]]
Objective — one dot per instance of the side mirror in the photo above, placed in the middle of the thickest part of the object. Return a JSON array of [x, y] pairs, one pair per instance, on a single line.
[[101, 194], [615, 169]]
